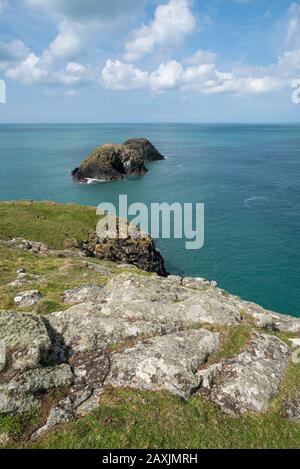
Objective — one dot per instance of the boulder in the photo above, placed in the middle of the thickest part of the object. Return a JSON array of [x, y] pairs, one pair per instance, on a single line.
[[26, 339], [248, 382], [27, 299], [21, 392], [170, 362]]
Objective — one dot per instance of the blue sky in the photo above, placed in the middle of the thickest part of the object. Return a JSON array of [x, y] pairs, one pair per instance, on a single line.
[[149, 60]]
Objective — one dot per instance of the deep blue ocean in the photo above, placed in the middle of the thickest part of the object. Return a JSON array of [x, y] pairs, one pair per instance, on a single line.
[[248, 177]]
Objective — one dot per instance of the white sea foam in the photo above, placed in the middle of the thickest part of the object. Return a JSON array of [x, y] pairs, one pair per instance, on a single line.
[[94, 181], [249, 200]]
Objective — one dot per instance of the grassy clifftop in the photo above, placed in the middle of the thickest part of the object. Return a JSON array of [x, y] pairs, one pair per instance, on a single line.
[[47, 222]]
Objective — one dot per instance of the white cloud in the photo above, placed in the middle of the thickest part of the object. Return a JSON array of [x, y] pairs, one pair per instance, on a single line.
[[35, 70], [67, 43], [204, 78], [72, 75], [119, 76], [29, 71], [172, 23], [81, 22]]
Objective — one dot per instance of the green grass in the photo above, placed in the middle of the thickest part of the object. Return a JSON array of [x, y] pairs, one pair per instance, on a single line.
[[128, 419], [233, 341], [55, 276], [51, 224], [47, 222]]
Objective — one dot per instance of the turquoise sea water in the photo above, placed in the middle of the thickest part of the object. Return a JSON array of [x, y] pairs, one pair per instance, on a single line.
[[248, 176]]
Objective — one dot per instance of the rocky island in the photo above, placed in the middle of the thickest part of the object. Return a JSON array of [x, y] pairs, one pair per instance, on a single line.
[[95, 353], [112, 162]]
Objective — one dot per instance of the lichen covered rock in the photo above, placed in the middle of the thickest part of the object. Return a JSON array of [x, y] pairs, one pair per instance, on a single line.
[[26, 340], [21, 392], [83, 294], [248, 382], [169, 362], [292, 408], [27, 299]]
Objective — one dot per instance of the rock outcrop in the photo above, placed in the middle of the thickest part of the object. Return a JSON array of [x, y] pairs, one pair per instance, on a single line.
[[143, 332], [169, 362], [83, 294], [110, 163], [27, 298], [248, 382], [145, 149], [113, 162], [133, 250]]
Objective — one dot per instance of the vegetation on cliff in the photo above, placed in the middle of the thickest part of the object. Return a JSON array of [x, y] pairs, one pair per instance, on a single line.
[[61, 227], [188, 335]]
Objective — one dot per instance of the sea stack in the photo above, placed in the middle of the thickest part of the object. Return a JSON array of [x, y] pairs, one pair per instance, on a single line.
[[145, 149], [113, 162]]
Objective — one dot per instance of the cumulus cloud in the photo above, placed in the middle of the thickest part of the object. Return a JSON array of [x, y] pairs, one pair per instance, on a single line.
[[205, 78], [35, 70], [29, 71], [66, 45], [60, 63], [200, 71], [57, 65], [171, 24], [117, 75]]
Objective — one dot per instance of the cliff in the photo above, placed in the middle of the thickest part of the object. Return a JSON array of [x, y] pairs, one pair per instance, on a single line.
[[82, 334]]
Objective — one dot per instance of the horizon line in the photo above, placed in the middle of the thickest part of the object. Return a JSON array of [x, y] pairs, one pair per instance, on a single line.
[[157, 123]]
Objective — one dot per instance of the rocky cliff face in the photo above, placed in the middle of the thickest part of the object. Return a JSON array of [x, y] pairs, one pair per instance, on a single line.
[[114, 162], [134, 249], [110, 162]]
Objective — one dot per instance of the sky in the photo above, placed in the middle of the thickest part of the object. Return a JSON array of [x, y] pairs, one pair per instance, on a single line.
[[149, 60]]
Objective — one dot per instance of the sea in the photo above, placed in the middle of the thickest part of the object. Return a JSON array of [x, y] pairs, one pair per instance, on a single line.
[[247, 176]]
